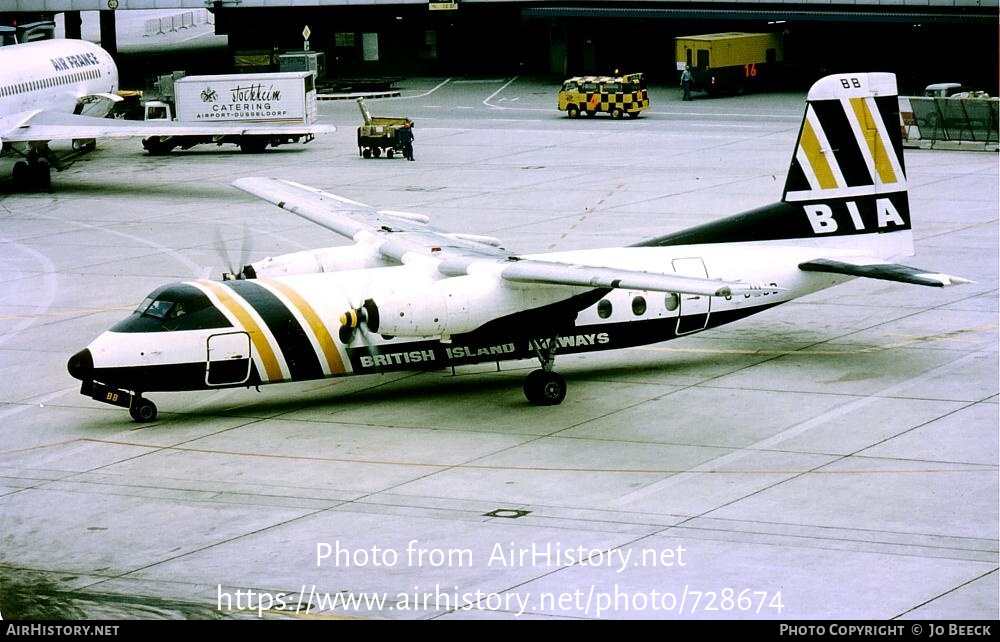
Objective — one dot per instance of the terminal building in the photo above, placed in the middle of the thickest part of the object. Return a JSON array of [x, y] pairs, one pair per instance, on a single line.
[[922, 41]]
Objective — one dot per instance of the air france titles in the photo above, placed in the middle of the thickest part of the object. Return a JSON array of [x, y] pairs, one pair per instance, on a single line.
[[76, 61]]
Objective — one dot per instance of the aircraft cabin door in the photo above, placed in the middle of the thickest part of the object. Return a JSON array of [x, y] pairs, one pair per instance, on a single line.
[[228, 360], [694, 308]]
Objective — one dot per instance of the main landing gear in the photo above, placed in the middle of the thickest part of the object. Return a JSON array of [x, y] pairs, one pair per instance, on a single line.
[[544, 387], [32, 173]]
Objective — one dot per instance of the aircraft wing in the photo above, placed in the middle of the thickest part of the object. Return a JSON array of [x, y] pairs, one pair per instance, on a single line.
[[42, 125], [874, 269], [406, 235], [534, 271]]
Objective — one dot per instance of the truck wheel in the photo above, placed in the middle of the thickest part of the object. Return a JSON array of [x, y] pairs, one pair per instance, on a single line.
[[156, 147], [616, 113], [252, 144], [572, 111], [367, 153], [377, 152]]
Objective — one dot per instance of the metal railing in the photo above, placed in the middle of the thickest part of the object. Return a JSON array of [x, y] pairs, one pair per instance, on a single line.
[[969, 121], [187, 20]]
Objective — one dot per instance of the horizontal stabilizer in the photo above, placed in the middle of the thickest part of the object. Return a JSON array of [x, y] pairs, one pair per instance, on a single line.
[[884, 271]]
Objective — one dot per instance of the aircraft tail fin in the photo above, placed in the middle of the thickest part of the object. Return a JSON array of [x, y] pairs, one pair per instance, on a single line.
[[847, 176], [846, 184]]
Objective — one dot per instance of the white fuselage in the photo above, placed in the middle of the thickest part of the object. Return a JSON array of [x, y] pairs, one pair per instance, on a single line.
[[53, 75], [316, 302]]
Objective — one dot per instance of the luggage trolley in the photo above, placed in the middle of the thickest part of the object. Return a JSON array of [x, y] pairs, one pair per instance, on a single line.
[[378, 134]]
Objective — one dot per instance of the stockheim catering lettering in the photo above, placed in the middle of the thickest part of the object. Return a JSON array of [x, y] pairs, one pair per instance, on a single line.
[[245, 101]]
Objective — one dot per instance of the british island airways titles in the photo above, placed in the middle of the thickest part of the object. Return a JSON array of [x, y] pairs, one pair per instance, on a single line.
[[385, 359]]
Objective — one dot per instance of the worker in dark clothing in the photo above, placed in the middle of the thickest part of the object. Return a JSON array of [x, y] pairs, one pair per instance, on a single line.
[[405, 137], [686, 80]]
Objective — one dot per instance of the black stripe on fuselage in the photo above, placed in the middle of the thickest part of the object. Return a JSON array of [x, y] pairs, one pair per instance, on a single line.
[[786, 221], [485, 347], [288, 332]]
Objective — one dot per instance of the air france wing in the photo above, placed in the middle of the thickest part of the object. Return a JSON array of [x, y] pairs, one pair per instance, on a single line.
[[42, 125]]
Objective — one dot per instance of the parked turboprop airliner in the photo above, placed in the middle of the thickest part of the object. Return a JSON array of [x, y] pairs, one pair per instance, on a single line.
[[61, 90], [406, 296]]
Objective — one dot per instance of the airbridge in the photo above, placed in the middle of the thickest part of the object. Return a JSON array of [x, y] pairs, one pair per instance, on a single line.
[[372, 38]]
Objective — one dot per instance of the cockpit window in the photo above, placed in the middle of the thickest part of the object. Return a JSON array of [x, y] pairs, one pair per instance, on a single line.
[[177, 306], [161, 308]]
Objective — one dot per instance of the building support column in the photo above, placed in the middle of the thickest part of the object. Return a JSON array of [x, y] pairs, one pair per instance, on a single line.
[[73, 24], [109, 34]]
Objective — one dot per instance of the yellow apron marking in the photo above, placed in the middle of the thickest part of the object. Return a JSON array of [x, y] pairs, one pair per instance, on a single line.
[[271, 367], [318, 327]]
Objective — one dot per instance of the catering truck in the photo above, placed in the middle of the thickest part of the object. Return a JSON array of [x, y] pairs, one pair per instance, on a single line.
[[253, 111], [730, 62]]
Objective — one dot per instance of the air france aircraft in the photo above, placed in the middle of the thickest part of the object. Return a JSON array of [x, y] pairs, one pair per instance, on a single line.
[[407, 296], [61, 90]]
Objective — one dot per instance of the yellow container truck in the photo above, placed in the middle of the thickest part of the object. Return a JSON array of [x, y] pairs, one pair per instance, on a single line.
[[730, 62]]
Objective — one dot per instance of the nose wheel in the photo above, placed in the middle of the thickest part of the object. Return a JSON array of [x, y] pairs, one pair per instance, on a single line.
[[142, 410]]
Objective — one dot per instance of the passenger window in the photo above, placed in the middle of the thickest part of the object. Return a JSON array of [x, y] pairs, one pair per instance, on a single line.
[[604, 309], [638, 306]]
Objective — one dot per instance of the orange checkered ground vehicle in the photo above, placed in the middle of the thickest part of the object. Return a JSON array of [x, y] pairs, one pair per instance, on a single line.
[[615, 95]]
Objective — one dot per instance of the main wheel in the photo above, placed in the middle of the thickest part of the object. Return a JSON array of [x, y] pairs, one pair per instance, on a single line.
[[142, 410], [20, 175], [545, 388], [41, 175]]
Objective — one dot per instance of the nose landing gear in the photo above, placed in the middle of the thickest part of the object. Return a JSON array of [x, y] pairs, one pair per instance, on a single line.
[[142, 410]]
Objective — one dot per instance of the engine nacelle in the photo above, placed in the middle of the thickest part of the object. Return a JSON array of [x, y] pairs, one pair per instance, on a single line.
[[458, 304], [327, 259]]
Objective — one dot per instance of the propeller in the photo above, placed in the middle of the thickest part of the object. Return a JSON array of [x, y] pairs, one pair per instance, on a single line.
[[240, 269], [361, 320]]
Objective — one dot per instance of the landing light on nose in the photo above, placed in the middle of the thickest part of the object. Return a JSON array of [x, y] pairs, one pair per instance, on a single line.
[[81, 365]]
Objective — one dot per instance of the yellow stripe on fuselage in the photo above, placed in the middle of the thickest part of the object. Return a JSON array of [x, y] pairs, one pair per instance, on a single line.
[[260, 342], [319, 329], [817, 159], [876, 146]]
